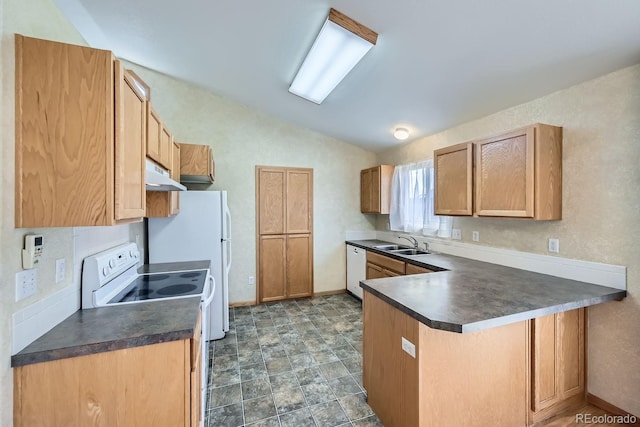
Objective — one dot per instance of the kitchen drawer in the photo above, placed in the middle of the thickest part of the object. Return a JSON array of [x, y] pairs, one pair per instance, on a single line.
[[386, 262]]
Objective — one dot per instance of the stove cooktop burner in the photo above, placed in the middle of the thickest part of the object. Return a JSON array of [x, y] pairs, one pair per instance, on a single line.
[[155, 286], [177, 289]]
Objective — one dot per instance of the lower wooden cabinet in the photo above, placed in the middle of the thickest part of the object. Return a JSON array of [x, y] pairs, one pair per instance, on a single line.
[[512, 375], [154, 385], [383, 266], [286, 266]]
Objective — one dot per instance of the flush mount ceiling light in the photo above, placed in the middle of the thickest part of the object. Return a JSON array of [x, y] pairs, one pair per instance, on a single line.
[[340, 45], [401, 134]]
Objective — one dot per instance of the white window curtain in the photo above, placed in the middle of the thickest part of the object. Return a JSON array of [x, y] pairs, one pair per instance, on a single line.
[[412, 201]]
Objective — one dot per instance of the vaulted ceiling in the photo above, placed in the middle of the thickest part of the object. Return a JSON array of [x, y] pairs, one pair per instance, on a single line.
[[436, 63]]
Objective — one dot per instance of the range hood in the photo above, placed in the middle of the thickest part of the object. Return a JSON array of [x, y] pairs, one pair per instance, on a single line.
[[158, 179]]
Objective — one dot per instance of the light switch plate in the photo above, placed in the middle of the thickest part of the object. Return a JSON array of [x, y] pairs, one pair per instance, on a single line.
[[409, 347], [554, 245], [456, 234], [475, 236]]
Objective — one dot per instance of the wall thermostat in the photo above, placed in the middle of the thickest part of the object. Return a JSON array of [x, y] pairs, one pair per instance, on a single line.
[[32, 251]]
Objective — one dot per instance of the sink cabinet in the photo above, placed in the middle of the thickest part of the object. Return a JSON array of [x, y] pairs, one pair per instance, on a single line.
[[375, 189], [80, 137], [157, 385]]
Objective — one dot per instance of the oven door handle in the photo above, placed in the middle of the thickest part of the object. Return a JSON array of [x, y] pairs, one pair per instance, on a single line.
[[209, 298]]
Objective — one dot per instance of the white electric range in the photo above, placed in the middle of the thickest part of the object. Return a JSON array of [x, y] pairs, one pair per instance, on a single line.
[[111, 278]]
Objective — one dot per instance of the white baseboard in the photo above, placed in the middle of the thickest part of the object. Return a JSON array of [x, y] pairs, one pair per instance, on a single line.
[[614, 276]]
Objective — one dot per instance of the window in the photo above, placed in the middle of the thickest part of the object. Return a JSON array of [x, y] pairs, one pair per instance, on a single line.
[[412, 201]]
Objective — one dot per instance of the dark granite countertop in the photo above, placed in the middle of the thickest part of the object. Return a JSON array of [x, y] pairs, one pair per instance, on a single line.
[[163, 267], [114, 328], [465, 295]]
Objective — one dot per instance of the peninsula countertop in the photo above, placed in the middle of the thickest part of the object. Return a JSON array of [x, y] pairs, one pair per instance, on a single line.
[[118, 327], [465, 295]]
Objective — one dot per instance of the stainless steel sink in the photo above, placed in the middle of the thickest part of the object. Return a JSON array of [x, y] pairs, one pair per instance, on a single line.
[[386, 247], [408, 252]]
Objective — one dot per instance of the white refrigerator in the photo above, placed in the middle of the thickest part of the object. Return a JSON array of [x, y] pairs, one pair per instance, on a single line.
[[201, 231]]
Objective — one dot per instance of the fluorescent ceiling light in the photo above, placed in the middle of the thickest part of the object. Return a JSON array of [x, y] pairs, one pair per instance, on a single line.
[[341, 44]]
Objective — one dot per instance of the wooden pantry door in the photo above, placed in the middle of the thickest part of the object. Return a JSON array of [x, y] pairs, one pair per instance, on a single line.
[[284, 233]]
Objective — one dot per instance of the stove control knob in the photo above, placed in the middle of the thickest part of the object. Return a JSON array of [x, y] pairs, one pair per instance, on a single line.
[[133, 254], [112, 262], [105, 271]]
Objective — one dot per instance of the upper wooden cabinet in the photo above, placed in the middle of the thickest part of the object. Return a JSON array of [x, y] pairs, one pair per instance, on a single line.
[[375, 189], [80, 137], [159, 139], [517, 174], [285, 200], [453, 171], [197, 164]]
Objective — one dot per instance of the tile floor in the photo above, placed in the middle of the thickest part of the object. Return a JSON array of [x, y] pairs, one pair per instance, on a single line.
[[294, 363]]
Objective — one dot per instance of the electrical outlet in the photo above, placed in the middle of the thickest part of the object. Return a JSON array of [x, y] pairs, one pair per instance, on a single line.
[[26, 283], [475, 236], [251, 281], [456, 234], [554, 245], [60, 270], [409, 347]]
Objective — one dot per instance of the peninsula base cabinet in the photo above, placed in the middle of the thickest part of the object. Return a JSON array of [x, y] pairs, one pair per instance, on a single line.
[[511, 375], [154, 385]]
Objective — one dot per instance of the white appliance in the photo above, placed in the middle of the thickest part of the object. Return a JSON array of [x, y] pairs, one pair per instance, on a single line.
[[356, 269], [111, 278], [201, 231]]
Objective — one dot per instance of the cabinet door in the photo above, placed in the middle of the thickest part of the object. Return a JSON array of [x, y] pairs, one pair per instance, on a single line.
[[557, 367], [374, 195], [544, 366], [154, 130], [365, 191], [299, 265], [271, 185], [299, 201], [130, 147], [272, 268], [166, 147], [64, 135], [505, 175], [453, 173]]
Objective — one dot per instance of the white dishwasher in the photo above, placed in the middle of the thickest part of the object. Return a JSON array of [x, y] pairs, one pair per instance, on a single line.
[[356, 269]]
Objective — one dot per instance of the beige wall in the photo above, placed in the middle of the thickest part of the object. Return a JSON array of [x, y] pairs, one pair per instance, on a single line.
[[243, 138], [601, 208], [37, 18]]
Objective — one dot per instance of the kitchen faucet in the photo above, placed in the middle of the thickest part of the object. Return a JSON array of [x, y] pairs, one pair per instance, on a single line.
[[411, 239]]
